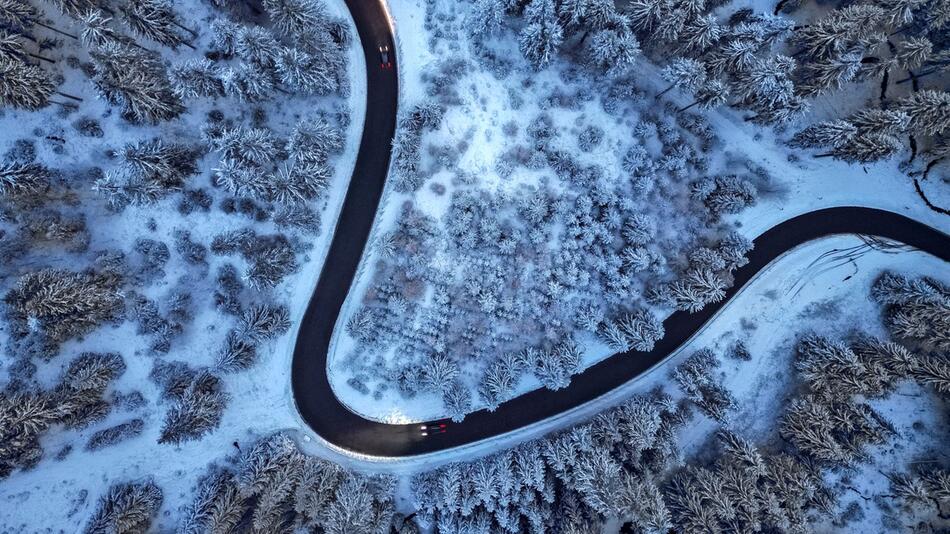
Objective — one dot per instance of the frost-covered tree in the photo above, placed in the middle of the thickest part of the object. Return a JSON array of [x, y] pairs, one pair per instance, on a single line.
[[136, 80], [929, 111], [74, 8], [155, 20], [23, 180], [487, 17], [305, 73], [685, 73], [24, 86], [127, 508], [296, 17], [694, 376], [60, 304], [198, 400], [195, 78], [542, 35], [257, 45], [615, 50], [248, 83], [97, 31], [916, 310]]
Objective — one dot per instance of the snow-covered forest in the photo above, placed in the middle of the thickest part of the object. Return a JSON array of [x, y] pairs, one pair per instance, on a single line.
[[559, 186], [565, 174], [626, 464], [167, 169]]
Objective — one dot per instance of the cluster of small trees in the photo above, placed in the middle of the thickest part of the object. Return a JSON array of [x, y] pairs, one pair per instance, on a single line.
[[315, 63], [547, 27], [747, 490], [407, 145], [706, 279], [276, 488], [917, 311], [26, 412], [149, 171], [827, 421], [543, 263], [566, 482], [871, 41], [196, 401], [255, 163]]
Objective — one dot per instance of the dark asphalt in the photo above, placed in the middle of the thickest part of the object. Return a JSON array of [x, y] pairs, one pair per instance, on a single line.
[[335, 423]]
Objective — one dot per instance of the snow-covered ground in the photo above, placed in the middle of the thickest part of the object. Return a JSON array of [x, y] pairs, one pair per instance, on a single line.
[[59, 494], [797, 186]]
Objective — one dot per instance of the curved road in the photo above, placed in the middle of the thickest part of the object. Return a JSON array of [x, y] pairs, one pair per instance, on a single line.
[[329, 418]]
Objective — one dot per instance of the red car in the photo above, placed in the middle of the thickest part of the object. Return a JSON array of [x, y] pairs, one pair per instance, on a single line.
[[433, 428], [384, 60]]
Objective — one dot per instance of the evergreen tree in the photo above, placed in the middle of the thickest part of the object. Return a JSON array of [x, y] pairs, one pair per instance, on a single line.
[[541, 38], [296, 17], [834, 133], [24, 86], [136, 80], [19, 180], [195, 78], [127, 508], [685, 73], [96, 30], [74, 8], [305, 73], [929, 111], [155, 20]]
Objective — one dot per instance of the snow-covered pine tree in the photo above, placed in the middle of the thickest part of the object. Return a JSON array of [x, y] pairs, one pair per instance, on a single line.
[[833, 133], [61, 304], [297, 17], [313, 140], [685, 73], [24, 86], [136, 80], [22, 180], [615, 49], [155, 20], [487, 17], [197, 408], [224, 34], [264, 322], [457, 400], [642, 329], [74, 8], [237, 354], [929, 111], [217, 506], [867, 148], [305, 73], [248, 83], [127, 508], [542, 36], [196, 78], [96, 30], [257, 46], [700, 34], [18, 15]]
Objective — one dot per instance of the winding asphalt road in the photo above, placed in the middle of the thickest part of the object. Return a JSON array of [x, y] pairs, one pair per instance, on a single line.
[[329, 418]]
